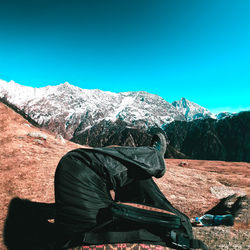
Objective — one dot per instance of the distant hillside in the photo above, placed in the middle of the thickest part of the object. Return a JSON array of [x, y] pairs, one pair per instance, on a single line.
[[227, 139]]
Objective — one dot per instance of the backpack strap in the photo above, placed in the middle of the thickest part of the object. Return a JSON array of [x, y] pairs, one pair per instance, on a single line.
[[145, 215], [141, 235], [110, 237], [138, 236]]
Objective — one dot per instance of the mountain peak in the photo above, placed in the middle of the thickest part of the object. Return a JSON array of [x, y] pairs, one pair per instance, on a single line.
[[65, 85], [192, 110]]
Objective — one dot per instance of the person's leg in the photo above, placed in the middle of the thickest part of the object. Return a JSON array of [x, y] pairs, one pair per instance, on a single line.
[[79, 194], [146, 192]]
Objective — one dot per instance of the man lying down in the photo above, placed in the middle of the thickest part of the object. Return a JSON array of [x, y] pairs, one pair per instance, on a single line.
[[107, 195]]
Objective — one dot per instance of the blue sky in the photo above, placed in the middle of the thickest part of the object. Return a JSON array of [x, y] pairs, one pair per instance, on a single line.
[[180, 48]]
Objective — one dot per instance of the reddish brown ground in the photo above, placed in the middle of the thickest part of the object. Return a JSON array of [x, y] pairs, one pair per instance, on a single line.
[[27, 166]]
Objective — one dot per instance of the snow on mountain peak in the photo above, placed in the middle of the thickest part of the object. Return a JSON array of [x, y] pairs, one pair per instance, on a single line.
[[16, 93], [192, 110], [80, 109], [67, 109]]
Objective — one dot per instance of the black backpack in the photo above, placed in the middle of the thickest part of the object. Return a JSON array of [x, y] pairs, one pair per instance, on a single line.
[[132, 223]]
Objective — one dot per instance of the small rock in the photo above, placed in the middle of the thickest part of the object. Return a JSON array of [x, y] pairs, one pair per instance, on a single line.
[[60, 138], [38, 141], [37, 135], [183, 164]]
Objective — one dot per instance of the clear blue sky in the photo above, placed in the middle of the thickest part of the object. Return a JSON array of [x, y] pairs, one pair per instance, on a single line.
[[181, 48]]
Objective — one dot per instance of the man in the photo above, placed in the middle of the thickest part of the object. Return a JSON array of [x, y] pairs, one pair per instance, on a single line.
[[86, 178]]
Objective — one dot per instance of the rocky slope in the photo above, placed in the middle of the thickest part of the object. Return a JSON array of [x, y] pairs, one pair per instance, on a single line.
[[107, 133]]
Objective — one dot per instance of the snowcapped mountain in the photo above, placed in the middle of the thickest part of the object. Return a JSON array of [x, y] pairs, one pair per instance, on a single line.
[[191, 110], [98, 118], [69, 110]]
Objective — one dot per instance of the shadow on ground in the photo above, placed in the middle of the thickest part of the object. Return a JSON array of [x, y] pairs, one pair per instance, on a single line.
[[27, 225]]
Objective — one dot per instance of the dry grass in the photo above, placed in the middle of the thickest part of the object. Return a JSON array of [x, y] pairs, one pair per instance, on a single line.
[[194, 186], [27, 169]]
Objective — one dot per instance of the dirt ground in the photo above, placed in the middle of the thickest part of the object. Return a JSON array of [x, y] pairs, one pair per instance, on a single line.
[[29, 156]]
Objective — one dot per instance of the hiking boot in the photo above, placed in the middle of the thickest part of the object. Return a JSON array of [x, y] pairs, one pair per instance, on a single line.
[[159, 143]]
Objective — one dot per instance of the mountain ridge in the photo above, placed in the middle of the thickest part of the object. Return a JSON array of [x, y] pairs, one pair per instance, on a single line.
[[100, 118], [65, 108]]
